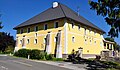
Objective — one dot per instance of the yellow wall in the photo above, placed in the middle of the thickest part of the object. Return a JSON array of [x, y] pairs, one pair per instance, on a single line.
[[41, 35], [88, 47]]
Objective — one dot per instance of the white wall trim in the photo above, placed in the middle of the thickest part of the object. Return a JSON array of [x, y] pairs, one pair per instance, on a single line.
[[66, 37]]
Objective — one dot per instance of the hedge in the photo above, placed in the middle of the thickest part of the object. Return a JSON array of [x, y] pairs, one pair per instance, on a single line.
[[34, 54]]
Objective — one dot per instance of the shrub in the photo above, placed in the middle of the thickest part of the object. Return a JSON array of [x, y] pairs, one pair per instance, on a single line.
[[36, 54], [22, 53], [48, 57]]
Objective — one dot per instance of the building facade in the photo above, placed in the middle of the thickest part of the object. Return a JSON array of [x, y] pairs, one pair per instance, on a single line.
[[58, 31]]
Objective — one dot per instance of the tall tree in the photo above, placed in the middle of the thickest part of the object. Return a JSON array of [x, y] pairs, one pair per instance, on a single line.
[[110, 10], [7, 42]]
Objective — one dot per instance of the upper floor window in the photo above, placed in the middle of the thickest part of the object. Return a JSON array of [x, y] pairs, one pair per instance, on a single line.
[[94, 32], [28, 30], [20, 41], [21, 31], [79, 27], [85, 31], [36, 34], [90, 31], [56, 24], [28, 41], [72, 25], [45, 27], [73, 39], [36, 28], [35, 41]]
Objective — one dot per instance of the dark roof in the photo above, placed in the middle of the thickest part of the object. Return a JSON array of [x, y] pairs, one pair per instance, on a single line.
[[54, 13]]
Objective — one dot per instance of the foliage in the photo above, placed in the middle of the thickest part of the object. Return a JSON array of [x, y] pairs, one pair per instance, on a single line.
[[109, 39], [22, 53], [34, 54], [49, 57], [7, 42], [110, 10]]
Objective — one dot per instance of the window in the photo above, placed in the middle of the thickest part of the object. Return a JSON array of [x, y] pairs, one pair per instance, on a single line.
[[45, 27], [72, 25], [85, 40], [95, 42], [45, 39], [100, 43], [94, 32], [73, 39], [85, 32], [35, 41], [28, 41], [90, 41], [56, 24], [90, 31], [35, 34], [20, 41], [28, 30], [36, 28], [79, 27], [21, 31], [56, 39]]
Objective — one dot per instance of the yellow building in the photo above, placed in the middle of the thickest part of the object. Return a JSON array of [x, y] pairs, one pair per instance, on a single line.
[[58, 30]]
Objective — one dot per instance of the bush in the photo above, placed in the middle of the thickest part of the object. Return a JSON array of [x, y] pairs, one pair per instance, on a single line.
[[36, 54], [22, 53], [48, 57]]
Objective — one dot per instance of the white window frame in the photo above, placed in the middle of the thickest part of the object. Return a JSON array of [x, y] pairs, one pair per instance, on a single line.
[[35, 41], [73, 39], [20, 41], [28, 41], [90, 30], [85, 41], [36, 34], [94, 32]]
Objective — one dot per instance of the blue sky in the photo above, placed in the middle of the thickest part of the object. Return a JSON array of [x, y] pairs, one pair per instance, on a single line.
[[15, 12]]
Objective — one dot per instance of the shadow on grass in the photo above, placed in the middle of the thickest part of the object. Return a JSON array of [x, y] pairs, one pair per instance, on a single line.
[[95, 64]]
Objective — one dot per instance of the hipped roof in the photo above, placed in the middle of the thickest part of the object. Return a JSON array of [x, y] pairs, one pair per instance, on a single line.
[[61, 11]]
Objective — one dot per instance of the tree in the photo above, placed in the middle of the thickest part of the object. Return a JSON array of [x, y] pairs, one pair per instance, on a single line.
[[7, 42], [110, 10]]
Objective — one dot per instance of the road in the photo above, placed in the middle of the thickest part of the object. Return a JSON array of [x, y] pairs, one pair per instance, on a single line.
[[12, 63]]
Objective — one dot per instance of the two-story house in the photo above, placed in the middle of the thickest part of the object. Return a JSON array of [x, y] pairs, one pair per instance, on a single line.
[[58, 30]]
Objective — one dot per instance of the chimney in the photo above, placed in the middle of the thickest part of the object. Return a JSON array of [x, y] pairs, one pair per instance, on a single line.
[[55, 4]]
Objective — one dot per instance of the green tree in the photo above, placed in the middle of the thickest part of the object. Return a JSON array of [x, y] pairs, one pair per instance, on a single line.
[[7, 42], [110, 10]]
